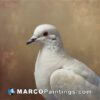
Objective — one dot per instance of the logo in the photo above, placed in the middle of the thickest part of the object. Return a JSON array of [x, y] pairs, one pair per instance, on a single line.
[[11, 91]]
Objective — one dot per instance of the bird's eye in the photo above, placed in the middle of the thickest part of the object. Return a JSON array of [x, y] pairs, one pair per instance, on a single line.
[[45, 34]]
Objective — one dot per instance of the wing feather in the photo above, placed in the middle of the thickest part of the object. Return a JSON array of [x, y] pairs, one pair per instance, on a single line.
[[67, 79]]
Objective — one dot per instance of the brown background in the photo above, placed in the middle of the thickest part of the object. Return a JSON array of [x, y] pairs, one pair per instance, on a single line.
[[77, 20]]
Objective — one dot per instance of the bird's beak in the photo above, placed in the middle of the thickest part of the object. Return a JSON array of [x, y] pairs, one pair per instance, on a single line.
[[32, 39]]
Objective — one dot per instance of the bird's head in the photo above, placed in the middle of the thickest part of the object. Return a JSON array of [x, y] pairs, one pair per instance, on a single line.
[[45, 34]]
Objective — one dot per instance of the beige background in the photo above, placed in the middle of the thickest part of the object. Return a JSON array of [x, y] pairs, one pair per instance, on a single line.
[[77, 20]]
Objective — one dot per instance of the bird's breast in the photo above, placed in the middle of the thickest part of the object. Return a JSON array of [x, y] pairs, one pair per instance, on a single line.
[[46, 64]]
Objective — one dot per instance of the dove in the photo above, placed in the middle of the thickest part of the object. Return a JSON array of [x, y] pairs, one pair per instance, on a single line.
[[55, 70]]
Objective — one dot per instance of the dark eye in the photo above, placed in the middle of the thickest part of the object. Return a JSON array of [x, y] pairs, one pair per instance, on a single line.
[[45, 34]]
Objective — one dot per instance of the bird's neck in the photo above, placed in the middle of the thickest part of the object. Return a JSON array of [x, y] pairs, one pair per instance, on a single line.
[[53, 46]]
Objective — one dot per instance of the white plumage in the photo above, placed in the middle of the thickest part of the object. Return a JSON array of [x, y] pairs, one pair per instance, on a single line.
[[55, 70]]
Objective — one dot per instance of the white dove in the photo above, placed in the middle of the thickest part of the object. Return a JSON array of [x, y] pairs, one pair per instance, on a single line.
[[55, 70]]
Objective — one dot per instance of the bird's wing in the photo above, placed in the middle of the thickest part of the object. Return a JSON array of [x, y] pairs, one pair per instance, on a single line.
[[76, 81]]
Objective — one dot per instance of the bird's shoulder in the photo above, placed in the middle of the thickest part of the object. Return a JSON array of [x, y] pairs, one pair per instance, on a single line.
[[80, 69]]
